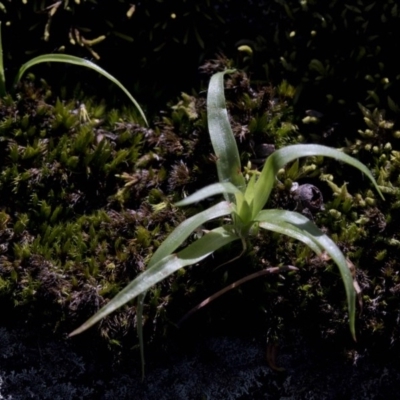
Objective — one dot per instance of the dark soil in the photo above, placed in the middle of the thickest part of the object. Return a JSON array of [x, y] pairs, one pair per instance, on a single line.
[[37, 366]]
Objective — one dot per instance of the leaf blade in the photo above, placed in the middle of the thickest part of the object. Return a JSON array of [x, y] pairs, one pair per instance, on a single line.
[[2, 75], [222, 138], [208, 191], [183, 230], [281, 157], [302, 223], [65, 58], [268, 220], [192, 254]]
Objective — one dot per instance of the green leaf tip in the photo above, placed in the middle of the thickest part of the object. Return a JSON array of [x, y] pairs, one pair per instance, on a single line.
[[221, 135]]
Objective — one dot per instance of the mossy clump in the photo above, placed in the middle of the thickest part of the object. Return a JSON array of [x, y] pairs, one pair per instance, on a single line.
[[80, 213], [88, 193]]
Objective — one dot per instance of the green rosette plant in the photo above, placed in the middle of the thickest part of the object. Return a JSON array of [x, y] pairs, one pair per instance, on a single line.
[[244, 203]]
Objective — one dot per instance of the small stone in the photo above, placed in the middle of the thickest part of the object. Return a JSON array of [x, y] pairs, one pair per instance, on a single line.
[[308, 196]]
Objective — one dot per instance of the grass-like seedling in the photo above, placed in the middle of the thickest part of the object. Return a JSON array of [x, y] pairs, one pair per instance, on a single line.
[[244, 207]]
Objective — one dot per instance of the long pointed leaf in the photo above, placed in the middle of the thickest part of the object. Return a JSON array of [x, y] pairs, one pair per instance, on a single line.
[[222, 139], [65, 58], [170, 244], [192, 254], [281, 157], [187, 227], [2, 75], [208, 191], [303, 224], [249, 193], [268, 221]]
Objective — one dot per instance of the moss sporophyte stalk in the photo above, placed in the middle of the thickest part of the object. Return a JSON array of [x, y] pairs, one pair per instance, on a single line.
[[243, 210]]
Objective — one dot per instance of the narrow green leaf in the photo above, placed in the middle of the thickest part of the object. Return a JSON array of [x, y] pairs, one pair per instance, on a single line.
[[2, 75], [303, 224], [208, 191], [192, 254], [170, 244], [249, 194], [187, 227], [222, 138], [281, 157], [65, 58], [271, 221]]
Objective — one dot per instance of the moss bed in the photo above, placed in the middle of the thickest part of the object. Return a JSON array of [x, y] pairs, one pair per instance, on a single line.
[[87, 195]]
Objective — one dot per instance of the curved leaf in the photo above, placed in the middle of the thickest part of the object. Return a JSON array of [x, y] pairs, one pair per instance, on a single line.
[[267, 220], [169, 245], [183, 230], [65, 58], [222, 139], [2, 76], [208, 191], [281, 157], [304, 225], [192, 254]]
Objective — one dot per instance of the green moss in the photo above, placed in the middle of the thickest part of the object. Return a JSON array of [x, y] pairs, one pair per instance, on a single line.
[[6, 287], [87, 202]]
